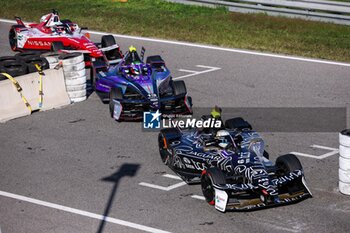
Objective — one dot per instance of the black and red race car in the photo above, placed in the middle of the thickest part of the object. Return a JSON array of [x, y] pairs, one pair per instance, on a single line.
[[53, 34]]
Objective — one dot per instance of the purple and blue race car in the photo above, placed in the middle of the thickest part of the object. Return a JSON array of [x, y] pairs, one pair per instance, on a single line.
[[133, 87]]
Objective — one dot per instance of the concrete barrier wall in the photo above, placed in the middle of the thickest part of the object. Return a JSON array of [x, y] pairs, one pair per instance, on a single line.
[[54, 94]]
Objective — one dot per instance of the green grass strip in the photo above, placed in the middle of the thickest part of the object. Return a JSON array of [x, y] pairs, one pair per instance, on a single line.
[[160, 19]]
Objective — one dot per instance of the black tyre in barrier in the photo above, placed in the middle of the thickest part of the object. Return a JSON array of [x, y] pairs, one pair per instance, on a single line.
[[14, 68], [28, 54], [8, 58], [31, 61]]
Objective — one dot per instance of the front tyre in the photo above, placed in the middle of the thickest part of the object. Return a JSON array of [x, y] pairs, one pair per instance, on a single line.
[[207, 188], [163, 149]]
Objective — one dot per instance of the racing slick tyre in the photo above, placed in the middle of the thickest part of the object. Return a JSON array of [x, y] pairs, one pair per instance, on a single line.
[[106, 41], [165, 138], [76, 94], [154, 58], [286, 164], [14, 68], [76, 81], [344, 138], [13, 36], [179, 88], [71, 58], [56, 46], [33, 60], [115, 93], [210, 177], [155, 61], [237, 123], [76, 87]]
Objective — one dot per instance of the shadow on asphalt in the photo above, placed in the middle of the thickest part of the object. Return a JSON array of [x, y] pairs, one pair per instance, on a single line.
[[126, 169]]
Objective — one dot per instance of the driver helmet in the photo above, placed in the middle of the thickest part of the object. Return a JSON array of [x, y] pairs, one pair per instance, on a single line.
[[224, 138]]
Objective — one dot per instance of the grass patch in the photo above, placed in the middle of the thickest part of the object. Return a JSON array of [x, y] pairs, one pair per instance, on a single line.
[[156, 18]]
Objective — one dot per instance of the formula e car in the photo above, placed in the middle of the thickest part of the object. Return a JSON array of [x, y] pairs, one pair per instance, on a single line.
[[53, 34], [232, 166], [133, 87]]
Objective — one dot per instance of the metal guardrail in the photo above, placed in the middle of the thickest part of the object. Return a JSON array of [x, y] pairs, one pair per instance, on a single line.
[[317, 10]]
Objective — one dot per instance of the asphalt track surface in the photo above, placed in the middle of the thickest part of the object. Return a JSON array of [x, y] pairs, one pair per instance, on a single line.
[[73, 156]]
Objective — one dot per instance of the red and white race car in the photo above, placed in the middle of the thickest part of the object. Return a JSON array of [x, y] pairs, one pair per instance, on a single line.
[[52, 34]]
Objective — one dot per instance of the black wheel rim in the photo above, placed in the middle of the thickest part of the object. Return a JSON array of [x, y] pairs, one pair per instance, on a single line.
[[207, 188]]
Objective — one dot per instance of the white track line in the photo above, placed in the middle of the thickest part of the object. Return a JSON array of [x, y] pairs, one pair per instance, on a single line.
[[198, 197], [193, 73], [333, 151], [172, 177], [213, 47], [82, 213], [168, 188]]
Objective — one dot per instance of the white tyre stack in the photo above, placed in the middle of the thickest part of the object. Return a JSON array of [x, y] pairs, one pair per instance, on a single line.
[[52, 58], [344, 161], [75, 76]]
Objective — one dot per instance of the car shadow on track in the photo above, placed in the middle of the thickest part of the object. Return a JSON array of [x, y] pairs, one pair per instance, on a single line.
[[126, 169]]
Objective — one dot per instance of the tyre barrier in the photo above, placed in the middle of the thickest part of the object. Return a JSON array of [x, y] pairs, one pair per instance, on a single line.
[[344, 161], [75, 75]]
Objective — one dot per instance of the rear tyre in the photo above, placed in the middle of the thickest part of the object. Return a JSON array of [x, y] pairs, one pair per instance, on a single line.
[[179, 88], [106, 41], [237, 123], [209, 177], [115, 93], [56, 46]]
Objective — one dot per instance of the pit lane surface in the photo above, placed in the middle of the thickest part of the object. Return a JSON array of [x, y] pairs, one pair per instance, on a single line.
[[72, 156]]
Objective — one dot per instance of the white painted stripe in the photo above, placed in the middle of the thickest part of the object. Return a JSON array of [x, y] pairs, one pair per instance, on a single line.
[[214, 48], [198, 197], [324, 147], [172, 177], [210, 69], [188, 71], [82, 213], [168, 188]]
